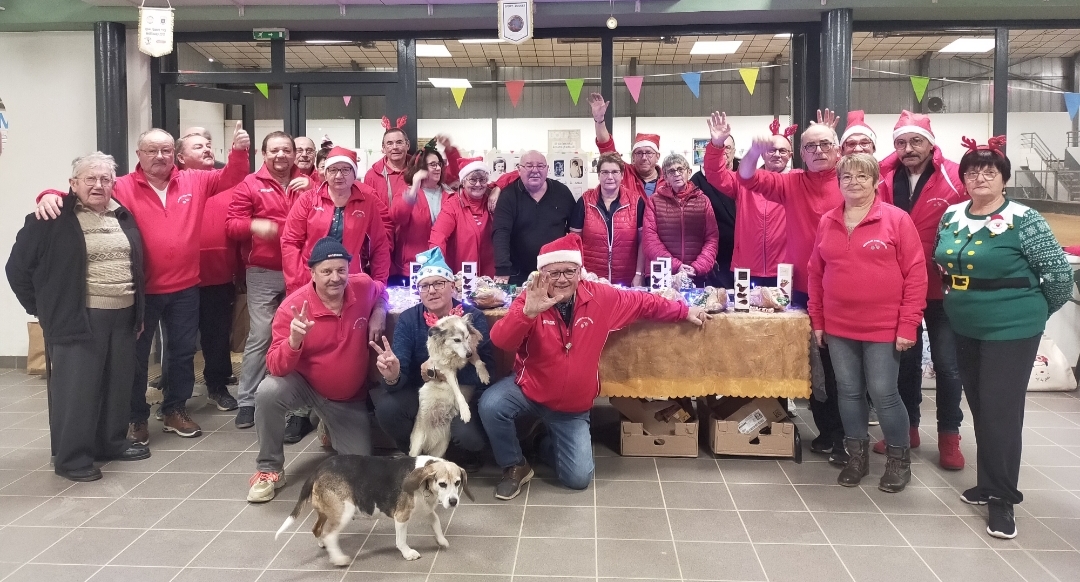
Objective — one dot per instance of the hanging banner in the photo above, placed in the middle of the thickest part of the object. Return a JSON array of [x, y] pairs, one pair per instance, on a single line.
[[514, 89], [264, 89], [515, 20], [919, 85], [574, 85], [693, 80], [156, 30], [1072, 104], [749, 78], [459, 94], [347, 99], [634, 85]]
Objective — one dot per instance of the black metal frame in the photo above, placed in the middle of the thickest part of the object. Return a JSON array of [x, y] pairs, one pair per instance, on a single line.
[[174, 93]]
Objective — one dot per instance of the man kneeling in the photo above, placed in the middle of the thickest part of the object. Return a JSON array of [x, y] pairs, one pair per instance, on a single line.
[[318, 357], [558, 326]]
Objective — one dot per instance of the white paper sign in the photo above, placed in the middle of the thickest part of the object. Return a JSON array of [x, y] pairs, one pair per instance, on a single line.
[[660, 273], [742, 289], [784, 274], [563, 140], [156, 31], [500, 162], [414, 276], [516, 20], [571, 168], [468, 276]]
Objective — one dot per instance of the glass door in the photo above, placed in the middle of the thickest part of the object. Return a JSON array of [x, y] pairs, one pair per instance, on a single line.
[[209, 108]]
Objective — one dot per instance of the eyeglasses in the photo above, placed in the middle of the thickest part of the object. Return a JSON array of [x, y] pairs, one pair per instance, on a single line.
[[729, 148], [533, 167], [437, 286], [777, 152], [337, 171], [849, 178], [915, 143], [305, 151], [167, 152], [477, 180], [824, 146], [645, 154], [610, 172], [567, 274], [91, 181], [864, 144], [390, 144], [434, 165], [987, 175], [675, 170]]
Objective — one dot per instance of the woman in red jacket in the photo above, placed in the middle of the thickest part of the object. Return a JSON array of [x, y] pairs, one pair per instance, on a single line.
[[680, 223], [867, 283], [609, 220], [463, 228], [412, 214]]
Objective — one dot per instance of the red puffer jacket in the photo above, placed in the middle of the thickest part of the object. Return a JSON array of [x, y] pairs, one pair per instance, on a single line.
[[681, 226], [611, 255]]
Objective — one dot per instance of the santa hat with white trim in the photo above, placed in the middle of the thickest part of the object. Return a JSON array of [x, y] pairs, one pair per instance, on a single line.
[[646, 140], [914, 123], [467, 166], [562, 250], [856, 125], [340, 154]]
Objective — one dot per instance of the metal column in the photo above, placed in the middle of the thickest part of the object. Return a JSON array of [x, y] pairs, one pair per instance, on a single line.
[[1001, 80], [405, 103], [804, 85], [836, 63], [110, 68], [607, 75]]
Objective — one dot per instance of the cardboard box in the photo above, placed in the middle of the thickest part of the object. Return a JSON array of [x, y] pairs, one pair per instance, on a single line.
[[751, 414], [641, 434], [742, 433]]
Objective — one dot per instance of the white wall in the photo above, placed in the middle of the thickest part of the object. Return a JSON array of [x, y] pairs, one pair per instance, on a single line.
[[49, 95], [138, 95]]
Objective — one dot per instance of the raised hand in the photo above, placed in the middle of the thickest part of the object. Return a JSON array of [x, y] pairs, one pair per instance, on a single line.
[[719, 128], [241, 140], [300, 326], [599, 107], [537, 298], [386, 362], [444, 141], [828, 118]]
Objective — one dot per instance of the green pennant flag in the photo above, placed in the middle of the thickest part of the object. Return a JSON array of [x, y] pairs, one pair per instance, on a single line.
[[574, 85], [263, 89], [919, 85]]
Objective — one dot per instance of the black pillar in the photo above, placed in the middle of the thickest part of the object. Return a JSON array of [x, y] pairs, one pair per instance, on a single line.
[[607, 76], [110, 68], [804, 85], [836, 63], [1074, 86], [1001, 81], [405, 103]]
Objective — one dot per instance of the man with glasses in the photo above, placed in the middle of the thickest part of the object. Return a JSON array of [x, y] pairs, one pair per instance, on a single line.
[[403, 367], [305, 155], [858, 138], [531, 212], [387, 177], [646, 176], [167, 204], [918, 179]]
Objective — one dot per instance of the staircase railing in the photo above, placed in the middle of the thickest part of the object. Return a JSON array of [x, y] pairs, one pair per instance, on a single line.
[[1034, 142]]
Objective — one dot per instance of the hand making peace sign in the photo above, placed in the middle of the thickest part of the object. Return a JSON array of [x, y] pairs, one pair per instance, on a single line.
[[299, 327], [387, 363]]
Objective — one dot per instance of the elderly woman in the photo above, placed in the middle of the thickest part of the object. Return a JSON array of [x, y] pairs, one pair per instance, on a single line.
[[866, 325], [462, 231], [401, 365], [1004, 275], [81, 275], [680, 223], [609, 219]]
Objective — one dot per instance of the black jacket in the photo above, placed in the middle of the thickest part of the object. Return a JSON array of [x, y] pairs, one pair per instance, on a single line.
[[47, 272], [523, 225], [724, 209]]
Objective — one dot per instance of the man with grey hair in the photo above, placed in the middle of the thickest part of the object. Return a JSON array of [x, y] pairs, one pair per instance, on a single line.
[[531, 212], [680, 223], [305, 154]]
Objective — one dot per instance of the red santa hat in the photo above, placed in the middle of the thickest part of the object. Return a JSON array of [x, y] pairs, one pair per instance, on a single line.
[[856, 125], [646, 140], [914, 123], [340, 154], [467, 166], [562, 250]]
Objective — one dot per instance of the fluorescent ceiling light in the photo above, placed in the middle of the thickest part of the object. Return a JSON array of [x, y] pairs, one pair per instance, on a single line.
[[715, 47], [450, 83], [432, 50], [326, 41], [479, 40], [969, 45], [782, 35]]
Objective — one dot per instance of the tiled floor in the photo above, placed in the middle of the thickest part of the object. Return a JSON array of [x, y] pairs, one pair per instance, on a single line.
[[181, 515]]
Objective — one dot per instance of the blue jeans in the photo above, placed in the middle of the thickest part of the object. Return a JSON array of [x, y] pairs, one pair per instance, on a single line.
[[567, 448], [868, 366], [943, 353], [179, 314]]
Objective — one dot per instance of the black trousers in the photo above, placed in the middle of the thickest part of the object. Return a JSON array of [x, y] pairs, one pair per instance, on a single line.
[[90, 388], [827, 413], [215, 325], [396, 413], [995, 376]]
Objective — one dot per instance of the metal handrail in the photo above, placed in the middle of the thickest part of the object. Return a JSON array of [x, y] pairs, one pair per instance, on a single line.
[[1072, 139], [1033, 141], [1057, 185]]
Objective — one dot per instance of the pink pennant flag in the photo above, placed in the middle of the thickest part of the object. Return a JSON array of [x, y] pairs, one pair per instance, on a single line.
[[514, 89], [634, 85], [347, 100]]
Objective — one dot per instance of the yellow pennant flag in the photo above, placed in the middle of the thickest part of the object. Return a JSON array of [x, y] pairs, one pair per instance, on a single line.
[[749, 78], [459, 95]]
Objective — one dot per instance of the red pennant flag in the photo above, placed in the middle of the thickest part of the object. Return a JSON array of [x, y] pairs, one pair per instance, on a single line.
[[634, 85], [514, 89]]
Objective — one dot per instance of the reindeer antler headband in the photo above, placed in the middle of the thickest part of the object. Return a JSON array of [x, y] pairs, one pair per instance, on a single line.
[[788, 132], [995, 144], [400, 122]]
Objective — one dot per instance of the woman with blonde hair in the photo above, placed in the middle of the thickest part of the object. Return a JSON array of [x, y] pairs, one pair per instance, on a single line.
[[609, 219]]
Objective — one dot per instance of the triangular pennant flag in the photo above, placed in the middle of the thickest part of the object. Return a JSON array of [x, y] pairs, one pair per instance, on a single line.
[[1072, 104], [749, 78], [693, 80], [347, 99], [634, 85], [263, 89], [459, 94], [513, 89], [919, 85], [574, 85]]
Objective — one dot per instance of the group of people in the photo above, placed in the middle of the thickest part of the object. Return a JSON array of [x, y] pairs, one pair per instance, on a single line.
[[878, 249]]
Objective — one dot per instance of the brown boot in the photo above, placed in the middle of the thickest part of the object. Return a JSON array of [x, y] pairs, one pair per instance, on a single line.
[[512, 480], [897, 469], [858, 465], [180, 422], [139, 433]]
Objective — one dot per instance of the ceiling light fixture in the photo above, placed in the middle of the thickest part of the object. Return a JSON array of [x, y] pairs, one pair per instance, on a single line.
[[715, 47], [782, 35], [432, 50], [326, 41], [450, 83], [969, 45]]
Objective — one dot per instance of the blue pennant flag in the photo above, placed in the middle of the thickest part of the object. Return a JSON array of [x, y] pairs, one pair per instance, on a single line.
[[1072, 104], [693, 80]]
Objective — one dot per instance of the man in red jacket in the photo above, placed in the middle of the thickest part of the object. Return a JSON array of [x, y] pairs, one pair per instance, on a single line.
[[919, 180], [645, 177], [558, 326], [319, 358]]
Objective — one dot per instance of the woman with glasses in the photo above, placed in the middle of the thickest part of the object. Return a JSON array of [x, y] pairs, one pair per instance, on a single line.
[[462, 231], [609, 219], [680, 223], [867, 282], [413, 214], [81, 275], [402, 365], [1005, 274]]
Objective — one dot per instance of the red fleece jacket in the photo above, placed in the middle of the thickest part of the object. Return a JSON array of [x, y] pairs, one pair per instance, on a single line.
[[559, 366], [462, 232], [260, 196], [219, 257], [413, 223]]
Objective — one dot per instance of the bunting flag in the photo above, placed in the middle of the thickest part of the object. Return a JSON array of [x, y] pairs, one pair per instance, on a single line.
[[634, 85], [693, 80], [574, 85], [264, 89], [347, 99], [1072, 104], [459, 95], [919, 85], [514, 89], [749, 78]]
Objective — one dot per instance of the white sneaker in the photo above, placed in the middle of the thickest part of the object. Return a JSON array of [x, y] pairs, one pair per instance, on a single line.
[[264, 484]]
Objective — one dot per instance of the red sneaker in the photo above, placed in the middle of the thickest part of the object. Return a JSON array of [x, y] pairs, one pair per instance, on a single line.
[[950, 457], [913, 437]]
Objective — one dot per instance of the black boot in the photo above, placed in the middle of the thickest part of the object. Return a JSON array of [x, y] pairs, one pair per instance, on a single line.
[[897, 469], [858, 465], [839, 455]]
